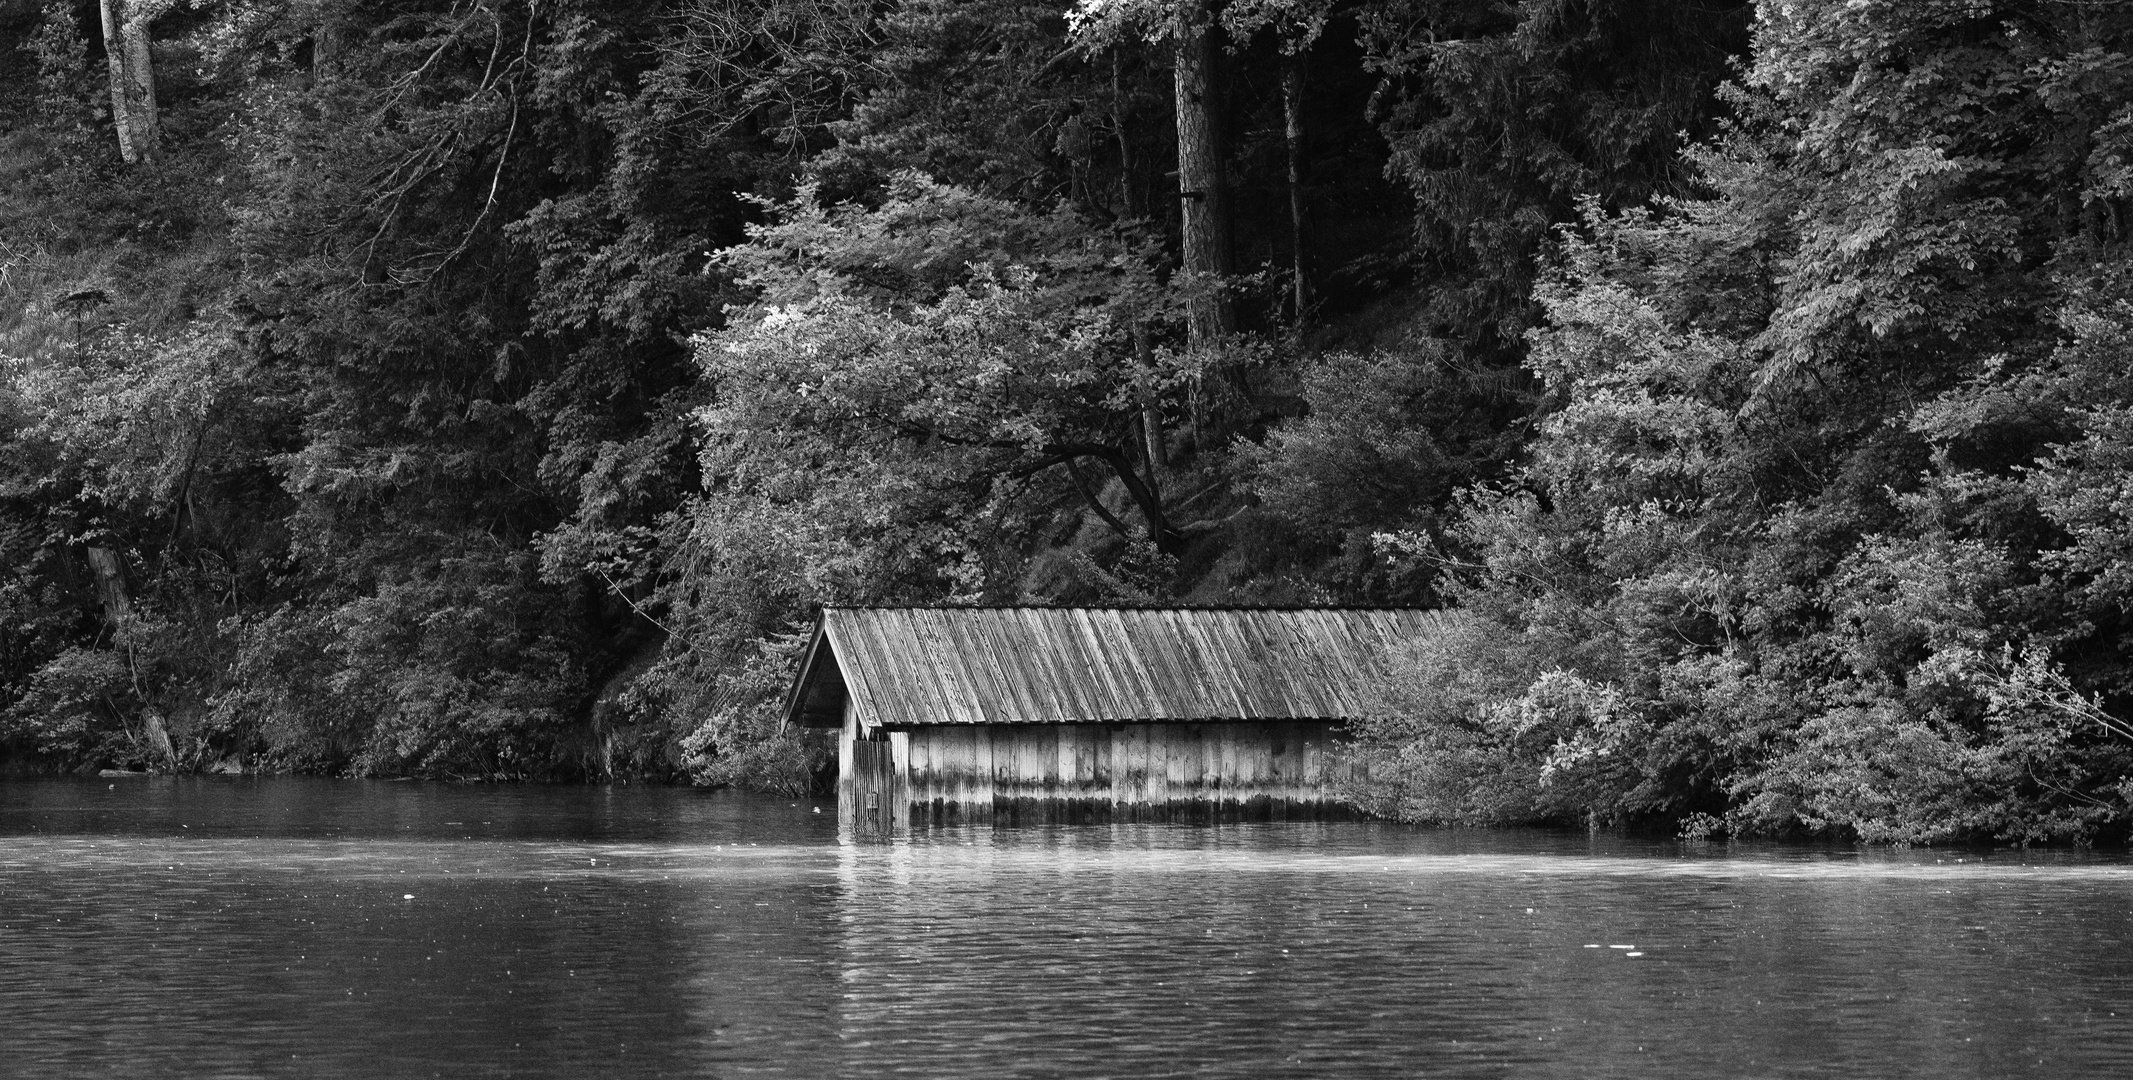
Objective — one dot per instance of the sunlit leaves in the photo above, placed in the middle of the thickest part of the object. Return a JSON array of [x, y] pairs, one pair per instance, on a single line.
[[909, 369]]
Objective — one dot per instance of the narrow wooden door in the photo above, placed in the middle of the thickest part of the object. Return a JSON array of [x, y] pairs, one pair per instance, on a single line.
[[877, 799]]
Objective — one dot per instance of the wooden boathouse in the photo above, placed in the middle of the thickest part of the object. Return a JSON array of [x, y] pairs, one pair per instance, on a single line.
[[1024, 715]]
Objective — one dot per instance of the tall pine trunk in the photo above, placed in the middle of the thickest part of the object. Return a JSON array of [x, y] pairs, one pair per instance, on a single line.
[[1292, 95], [1128, 192], [133, 81], [1203, 198]]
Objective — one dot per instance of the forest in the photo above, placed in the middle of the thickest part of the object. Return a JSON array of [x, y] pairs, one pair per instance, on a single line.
[[495, 389]]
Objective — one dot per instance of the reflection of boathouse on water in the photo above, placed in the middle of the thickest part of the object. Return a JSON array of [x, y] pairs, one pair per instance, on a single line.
[[1027, 715]]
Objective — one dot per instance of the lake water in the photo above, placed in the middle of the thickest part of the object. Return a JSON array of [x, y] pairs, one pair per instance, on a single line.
[[286, 927]]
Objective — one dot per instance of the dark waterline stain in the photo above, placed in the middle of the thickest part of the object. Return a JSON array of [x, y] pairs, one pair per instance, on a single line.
[[289, 927]]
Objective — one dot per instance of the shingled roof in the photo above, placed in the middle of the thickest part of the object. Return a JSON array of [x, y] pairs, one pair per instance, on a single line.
[[1026, 665]]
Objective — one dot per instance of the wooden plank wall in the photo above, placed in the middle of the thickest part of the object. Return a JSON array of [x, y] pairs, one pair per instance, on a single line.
[[873, 778], [879, 801], [1269, 770]]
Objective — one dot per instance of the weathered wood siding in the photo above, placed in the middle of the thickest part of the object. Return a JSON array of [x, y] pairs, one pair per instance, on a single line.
[[878, 796], [1093, 773], [872, 779], [1024, 715]]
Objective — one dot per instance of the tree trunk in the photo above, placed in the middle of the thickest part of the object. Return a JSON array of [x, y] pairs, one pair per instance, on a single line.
[[133, 82], [1292, 94], [1153, 442], [159, 740], [1168, 540], [1202, 196], [110, 573], [1128, 197]]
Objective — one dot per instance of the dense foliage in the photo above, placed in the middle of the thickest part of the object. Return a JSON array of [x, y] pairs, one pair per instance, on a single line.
[[1821, 527], [487, 388]]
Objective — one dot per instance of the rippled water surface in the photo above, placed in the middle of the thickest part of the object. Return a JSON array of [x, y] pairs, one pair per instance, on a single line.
[[284, 927]]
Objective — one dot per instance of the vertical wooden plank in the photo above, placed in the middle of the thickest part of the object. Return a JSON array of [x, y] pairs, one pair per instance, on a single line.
[[1006, 773], [1291, 765], [1102, 746], [984, 786], [1179, 748], [977, 804], [1065, 769], [1272, 778], [1129, 770], [951, 765], [999, 794], [899, 801], [866, 793], [1212, 780], [974, 780], [1306, 784], [1234, 764], [1039, 764], [923, 777], [1197, 767], [943, 761], [983, 741], [845, 767], [1073, 780], [1142, 753], [1089, 763], [1028, 772], [1318, 784], [873, 798], [1014, 766], [1067, 764], [1100, 766], [1230, 768], [1276, 779], [1308, 762], [946, 746], [1161, 748], [1185, 767], [1154, 767], [960, 790]]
